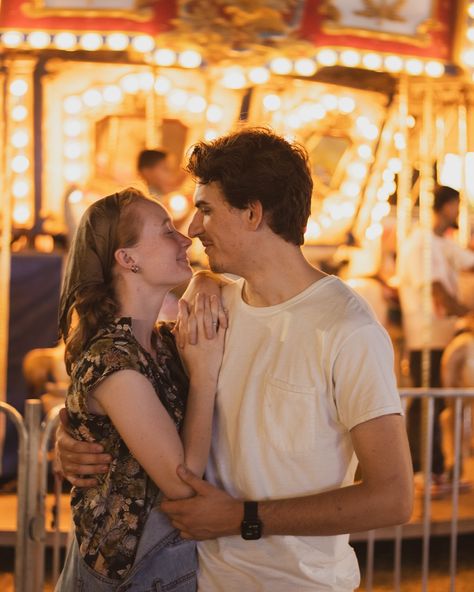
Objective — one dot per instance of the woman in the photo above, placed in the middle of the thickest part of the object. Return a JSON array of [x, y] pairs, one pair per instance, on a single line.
[[129, 392]]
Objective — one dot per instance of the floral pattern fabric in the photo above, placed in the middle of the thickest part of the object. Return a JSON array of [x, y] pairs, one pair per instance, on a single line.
[[110, 517]]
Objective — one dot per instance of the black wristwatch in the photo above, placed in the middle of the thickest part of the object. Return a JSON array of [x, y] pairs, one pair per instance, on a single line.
[[251, 525]]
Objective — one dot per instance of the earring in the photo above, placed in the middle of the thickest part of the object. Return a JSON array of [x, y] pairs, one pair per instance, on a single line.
[[135, 268]]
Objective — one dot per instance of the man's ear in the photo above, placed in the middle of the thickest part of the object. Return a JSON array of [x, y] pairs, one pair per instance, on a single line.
[[123, 258], [254, 215]]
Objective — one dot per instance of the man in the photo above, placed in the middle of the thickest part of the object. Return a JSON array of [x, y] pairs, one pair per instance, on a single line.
[[155, 169], [435, 330], [306, 380]]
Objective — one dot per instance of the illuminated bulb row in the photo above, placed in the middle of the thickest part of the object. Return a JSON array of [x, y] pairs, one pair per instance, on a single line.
[[366, 128], [185, 59]]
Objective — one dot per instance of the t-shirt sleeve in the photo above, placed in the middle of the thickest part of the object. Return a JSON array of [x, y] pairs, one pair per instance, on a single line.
[[363, 377]]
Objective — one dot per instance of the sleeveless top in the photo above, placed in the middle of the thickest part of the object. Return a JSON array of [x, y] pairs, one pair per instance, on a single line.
[[110, 517]]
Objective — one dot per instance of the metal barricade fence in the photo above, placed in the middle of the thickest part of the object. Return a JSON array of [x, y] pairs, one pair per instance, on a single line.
[[34, 437]]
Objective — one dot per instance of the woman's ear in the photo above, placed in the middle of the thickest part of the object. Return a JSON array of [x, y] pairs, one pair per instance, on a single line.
[[123, 258], [254, 216]]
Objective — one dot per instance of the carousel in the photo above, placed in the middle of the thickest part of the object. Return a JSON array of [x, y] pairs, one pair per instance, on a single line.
[[381, 94]]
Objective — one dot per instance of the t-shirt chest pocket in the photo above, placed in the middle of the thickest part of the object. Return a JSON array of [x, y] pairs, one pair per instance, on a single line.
[[288, 416]]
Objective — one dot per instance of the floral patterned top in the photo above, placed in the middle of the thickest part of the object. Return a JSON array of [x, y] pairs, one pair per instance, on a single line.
[[110, 517]]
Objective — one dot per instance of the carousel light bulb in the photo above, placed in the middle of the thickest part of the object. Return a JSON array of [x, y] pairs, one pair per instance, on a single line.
[[20, 188], [65, 41], [162, 85], [92, 98], [21, 213], [190, 59], [281, 65], [177, 99], [259, 75], [18, 88], [196, 104], [72, 105], [325, 221], [164, 57], [12, 39], [350, 58], [388, 176], [380, 210], [72, 128], [214, 113], [372, 61], [374, 231], [91, 41], [399, 141], [117, 41], [313, 230], [305, 66], [20, 164], [371, 132], [382, 194], [350, 188], [434, 69], [395, 165], [470, 34], [316, 111], [414, 66], [179, 204], [112, 94], [75, 196], [143, 43], [73, 172], [470, 10], [72, 150], [364, 151], [271, 102], [329, 101], [20, 139], [39, 39], [389, 188], [146, 80], [129, 83], [293, 121], [346, 104], [210, 135], [411, 121], [393, 63], [327, 57], [347, 209], [357, 170], [19, 113], [234, 78]]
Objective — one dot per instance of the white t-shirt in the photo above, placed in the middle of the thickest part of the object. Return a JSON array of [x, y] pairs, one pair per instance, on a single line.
[[436, 329], [295, 378]]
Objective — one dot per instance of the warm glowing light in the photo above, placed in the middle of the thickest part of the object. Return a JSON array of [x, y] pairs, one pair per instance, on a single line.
[[143, 43], [399, 140], [190, 59], [39, 39], [164, 57], [19, 88], [370, 132], [347, 209], [72, 150], [214, 113], [380, 210], [389, 188], [117, 41], [382, 194], [259, 75], [72, 128], [325, 221], [20, 139], [329, 101], [293, 120], [411, 121], [19, 113], [20, 164], [311, 111], [196, 104], [305, 67], [90, 41], [313, 230], [388, 176], [327, 57], [395, 165], [75, 196], [162, 85], [346, 104], [177, 98], [350, 58], [146, 80], [470, 10], [65, 41], [73, 172], [393, 63], [234, 78], [12, 39], [20, 188], [112, 94], [470, 34], [210, 135], [414, 66], [72, 105], [350, 188], [374, 231], [357, 170], [129, 83], [434, 69], [364, 151], [21, 213], [271, 102], [372, 61], [179, 204], [281, 65], [92, 98]]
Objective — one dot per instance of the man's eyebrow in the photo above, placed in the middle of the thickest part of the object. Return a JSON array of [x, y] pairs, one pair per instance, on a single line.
[[201, 202]]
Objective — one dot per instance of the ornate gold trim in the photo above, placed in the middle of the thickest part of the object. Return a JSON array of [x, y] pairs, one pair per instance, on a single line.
[[36, 9], [331, 18], [460, 29]]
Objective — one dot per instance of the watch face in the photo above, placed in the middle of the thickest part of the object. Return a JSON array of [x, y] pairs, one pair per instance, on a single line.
[[251, 531]]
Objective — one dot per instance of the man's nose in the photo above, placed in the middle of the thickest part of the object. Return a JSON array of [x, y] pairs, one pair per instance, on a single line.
[[195, 226]]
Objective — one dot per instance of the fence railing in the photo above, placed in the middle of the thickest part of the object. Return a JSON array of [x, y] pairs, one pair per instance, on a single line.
[[34, 436]]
